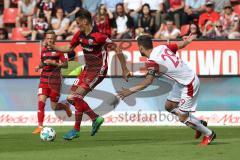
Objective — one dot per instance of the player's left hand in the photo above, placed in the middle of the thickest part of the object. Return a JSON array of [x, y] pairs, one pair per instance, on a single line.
[[126, 74], [124, 93]]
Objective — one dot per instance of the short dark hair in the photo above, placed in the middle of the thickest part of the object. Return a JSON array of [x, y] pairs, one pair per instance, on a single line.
[[145, 41], [50, 32], [84, 14]]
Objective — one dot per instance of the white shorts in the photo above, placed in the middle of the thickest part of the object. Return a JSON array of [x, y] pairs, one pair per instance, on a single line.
[[186, 95]]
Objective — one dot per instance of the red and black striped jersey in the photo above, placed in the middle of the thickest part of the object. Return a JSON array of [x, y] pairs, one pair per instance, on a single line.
[[94, 48], [51, 75]]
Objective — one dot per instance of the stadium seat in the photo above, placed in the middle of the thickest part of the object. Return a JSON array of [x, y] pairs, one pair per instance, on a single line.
[[9, 15], [184, 29], [16, 34], [237, 9]]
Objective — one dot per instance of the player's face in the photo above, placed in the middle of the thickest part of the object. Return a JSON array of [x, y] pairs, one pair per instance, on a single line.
[[82, 24], [142, 50], [50, 39]]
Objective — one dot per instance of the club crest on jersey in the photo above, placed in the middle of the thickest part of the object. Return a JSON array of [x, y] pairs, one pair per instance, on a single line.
[[90, 41]]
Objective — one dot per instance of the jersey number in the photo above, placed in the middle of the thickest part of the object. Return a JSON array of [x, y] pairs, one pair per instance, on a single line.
[[168, 54]]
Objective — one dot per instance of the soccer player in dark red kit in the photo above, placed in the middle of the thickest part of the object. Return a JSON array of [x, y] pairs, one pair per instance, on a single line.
[[94, 45], [50, 79]]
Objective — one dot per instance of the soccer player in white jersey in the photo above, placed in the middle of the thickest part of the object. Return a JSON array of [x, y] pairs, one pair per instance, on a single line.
[[182, 99]]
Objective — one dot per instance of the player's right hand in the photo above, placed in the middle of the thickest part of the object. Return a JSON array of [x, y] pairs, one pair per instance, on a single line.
[[36, 69]]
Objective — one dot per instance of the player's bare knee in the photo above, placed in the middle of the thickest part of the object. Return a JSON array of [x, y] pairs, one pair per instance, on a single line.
[[70, 99], [42, 98], [169, 106]]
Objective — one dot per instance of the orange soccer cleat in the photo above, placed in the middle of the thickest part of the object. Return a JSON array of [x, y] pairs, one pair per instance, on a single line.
[[208, 139], [37, 130]]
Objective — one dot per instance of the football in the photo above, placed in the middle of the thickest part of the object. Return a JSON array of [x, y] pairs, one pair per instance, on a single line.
[[48, 134]]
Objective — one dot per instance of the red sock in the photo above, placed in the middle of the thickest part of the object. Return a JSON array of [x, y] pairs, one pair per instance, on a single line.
[[87, 110], [40, 114], [78, 120], [81, 106]]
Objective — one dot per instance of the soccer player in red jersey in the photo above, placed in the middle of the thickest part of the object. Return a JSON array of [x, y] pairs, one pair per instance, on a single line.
[[50, 80], [94, 45]]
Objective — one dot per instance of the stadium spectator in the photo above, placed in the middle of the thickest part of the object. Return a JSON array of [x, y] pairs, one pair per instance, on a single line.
[[10, 3], [40, 26], [145, 21], [193, 30], [132, 8], [3, 34], [26, 10], [209, 17], [111, 5], [219, 5], [91, 5], [122, 24], [168, 31], [60, 24], [192, 10], [102, 20], [157, 10], [46, 7], [230, 21], [216, 32], [175, 11], [70, 7], [72, 30], [1, 15]]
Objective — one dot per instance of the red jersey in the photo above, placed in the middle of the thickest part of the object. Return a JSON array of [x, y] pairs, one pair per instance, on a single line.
[[51, 75], [204, 17], [94, 49]]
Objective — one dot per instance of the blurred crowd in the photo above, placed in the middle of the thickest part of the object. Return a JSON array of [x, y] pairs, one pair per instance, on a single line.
[[122, 19]]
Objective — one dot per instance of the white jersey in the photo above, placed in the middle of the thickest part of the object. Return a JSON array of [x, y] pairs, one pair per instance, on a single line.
[[164, 60]]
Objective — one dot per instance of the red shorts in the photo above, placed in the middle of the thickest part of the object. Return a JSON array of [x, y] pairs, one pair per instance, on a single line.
[[88, 80], [53, 94]]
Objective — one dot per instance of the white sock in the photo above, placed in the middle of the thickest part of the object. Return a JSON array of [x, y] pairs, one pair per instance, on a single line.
[[196, 124]]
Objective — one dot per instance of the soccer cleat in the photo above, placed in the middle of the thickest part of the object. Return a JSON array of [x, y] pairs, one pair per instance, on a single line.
[[71, 135], [197, 133], [96, 125], [68, 110], [37, 130], [208, 139]]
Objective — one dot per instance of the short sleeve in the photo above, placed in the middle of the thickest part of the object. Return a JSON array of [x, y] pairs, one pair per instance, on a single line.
[[152, 67], [75, 40], [173, 47], [102, 39]]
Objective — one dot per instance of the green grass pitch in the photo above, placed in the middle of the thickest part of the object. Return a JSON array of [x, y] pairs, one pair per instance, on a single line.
[[119, 143]]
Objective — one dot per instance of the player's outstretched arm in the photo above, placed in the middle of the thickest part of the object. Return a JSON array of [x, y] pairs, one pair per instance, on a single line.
[[185, 42], [142, 85], [125, 72], [56, 64], [63, 49]]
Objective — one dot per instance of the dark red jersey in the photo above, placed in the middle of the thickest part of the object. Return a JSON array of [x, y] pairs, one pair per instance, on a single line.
[[51, 75], [94, 48]]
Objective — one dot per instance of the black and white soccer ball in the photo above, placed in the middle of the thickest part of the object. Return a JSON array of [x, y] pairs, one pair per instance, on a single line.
[[48, 134]]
